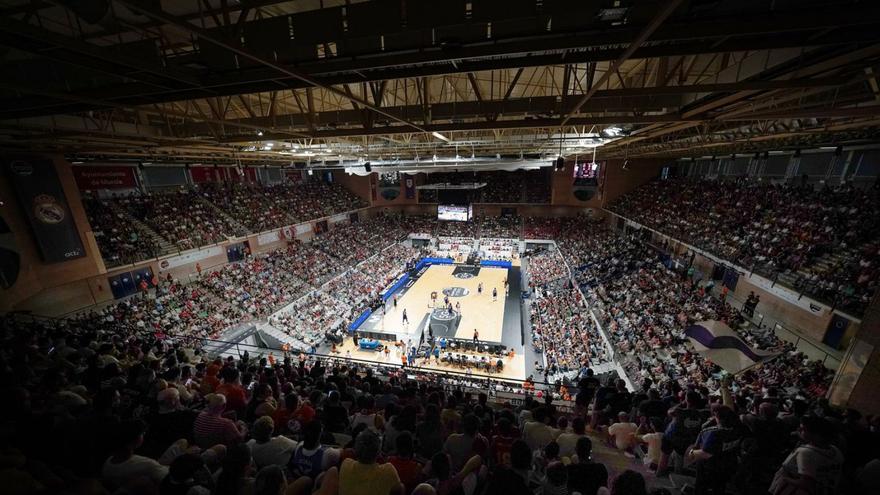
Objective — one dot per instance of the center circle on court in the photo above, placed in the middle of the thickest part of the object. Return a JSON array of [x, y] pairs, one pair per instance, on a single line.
[[463, 275], [455, 291]]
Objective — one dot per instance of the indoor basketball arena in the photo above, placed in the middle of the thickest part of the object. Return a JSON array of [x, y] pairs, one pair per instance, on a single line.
[[457, 247]]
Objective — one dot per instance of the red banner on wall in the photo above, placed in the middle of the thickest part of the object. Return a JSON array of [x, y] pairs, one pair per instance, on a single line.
[[201, 175], [104, 177]]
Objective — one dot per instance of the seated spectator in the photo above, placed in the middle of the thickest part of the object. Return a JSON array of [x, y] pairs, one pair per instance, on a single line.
[[622, 433], [584, 475], [513, 480], [463, 446], [124, 469], [408, 469], [267, 449], [362, 475], [814, 467], [567, 440], [311, 458], [537, 433], [211, 428], [628, 482]]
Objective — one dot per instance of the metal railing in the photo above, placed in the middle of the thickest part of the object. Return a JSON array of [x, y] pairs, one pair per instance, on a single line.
[[482, 381], [804, 345]]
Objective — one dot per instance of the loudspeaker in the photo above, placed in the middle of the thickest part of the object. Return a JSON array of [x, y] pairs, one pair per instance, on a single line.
[[368, 167], [560, 164]]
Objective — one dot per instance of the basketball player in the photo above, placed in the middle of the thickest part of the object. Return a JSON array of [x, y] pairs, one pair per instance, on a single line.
[[494, 294], [405, 318], [458, 307], [480, 288], [476, 336]]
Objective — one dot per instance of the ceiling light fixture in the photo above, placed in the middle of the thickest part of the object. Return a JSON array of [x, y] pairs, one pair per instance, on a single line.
[[440, 136]]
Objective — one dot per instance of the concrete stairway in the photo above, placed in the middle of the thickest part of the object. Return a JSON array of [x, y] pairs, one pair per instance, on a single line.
[[221, 212], [165, 246]]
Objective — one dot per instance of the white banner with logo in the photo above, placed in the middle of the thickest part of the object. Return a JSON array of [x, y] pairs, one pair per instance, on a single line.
[[191, 257], [338, 218], [268, 238], [303, 228]]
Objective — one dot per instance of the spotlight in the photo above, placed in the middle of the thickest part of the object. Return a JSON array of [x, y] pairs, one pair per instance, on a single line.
[[311, 172], [612, 131], [625, 165], [259, 133], [440, 136], [368, 167]]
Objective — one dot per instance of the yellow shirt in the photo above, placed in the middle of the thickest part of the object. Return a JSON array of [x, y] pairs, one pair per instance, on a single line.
[[356, 478]]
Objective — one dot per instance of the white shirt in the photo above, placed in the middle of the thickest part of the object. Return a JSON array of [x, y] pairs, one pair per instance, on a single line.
[[653, 440], [823, 465], [276, 451], [136, 466], [538, 435], [623, 434]]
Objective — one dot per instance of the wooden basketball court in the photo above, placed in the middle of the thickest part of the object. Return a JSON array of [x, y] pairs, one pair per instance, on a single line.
[[477, 310]]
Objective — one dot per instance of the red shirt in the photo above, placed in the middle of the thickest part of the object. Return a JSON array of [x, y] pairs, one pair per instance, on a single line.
[[501, 446], [305, 414], [409, 471], [236, 398]]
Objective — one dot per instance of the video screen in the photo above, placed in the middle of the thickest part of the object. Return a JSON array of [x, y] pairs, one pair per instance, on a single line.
[[587, 173], [586, 170], [454, 213]]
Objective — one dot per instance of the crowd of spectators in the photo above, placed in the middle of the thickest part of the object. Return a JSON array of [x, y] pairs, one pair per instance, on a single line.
[[773, 228], [181, 218], [125, 399], [257, 285], [264, 207], [207, 214], [501, 227], [541, 228], [531, 186], [140, 413], [119, 240], [563, 330], [456, 229], [645, 308], [546, 266]]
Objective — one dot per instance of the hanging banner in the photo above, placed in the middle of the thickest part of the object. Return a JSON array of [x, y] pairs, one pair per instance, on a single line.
[[44, 204], [303, 228], [409, 182], [89, 178]]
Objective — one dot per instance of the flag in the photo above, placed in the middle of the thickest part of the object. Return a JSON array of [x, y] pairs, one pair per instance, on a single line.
[[716, 342]]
